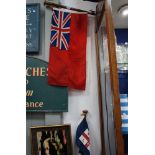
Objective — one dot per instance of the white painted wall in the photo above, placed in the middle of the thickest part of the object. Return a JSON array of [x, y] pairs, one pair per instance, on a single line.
[[88, 99]]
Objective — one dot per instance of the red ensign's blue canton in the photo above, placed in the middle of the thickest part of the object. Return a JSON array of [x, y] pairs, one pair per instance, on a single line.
[[60, 29]]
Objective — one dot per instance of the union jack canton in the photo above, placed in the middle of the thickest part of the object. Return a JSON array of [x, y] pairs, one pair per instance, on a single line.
[[60, 29]]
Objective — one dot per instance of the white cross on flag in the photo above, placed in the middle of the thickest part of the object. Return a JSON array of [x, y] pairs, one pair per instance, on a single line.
[[82, 137]]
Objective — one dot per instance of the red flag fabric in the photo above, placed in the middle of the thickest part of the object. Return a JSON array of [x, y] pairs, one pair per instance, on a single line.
[[67, 60]]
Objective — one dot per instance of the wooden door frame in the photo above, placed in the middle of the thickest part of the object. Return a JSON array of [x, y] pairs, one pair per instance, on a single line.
[[107, 13]]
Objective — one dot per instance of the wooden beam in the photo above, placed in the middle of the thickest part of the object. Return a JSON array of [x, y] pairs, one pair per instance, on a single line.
[[51, 4], [100, 9], [114, 79], [100, 102]]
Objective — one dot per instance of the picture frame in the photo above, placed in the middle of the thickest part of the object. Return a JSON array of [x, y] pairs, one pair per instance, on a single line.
[[51, 140]]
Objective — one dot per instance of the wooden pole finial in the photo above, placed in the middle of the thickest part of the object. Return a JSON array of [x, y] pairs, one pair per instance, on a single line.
[[84, 113]]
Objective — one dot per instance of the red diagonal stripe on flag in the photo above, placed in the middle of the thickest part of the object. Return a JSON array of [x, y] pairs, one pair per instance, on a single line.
[[87, 145], [54, 37], [66, 19], [86, 137], [55, 18], [64, 41]]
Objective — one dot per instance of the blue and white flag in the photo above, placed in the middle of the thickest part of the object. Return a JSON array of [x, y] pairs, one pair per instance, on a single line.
[[82, 137], [124, 112]]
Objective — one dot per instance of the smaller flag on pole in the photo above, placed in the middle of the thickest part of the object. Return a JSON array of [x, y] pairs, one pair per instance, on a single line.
[[82, 137]]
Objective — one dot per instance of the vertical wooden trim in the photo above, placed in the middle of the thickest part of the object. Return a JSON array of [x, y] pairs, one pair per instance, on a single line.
[[103, 151], [99, 14], [114, 79]]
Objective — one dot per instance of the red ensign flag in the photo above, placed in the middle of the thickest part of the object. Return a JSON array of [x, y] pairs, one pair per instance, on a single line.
[[67, 61]]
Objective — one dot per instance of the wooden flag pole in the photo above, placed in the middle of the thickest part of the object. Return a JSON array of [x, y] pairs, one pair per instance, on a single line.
[[100, 102], [114, 79], [101, 12], [51, 4], [84, 113]]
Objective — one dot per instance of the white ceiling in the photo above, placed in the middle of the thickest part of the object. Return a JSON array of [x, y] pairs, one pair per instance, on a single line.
[[119, 21]]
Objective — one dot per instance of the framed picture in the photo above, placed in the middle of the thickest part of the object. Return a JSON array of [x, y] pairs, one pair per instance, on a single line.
[[51, 140]]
